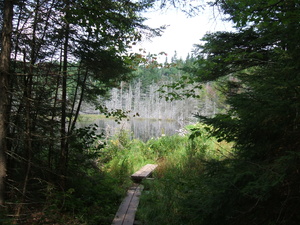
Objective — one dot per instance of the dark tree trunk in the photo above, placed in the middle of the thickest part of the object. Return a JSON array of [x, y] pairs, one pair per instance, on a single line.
[[4, 77], [28, 118], [75, 117], [63, 132]]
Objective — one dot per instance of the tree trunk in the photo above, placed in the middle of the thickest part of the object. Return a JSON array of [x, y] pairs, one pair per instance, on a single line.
[[28, 118], [72, 123], [4, 76], [63, 132]]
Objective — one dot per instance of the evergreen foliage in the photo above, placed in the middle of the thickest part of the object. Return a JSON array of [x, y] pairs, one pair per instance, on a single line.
[[61, 54], [260, 184]]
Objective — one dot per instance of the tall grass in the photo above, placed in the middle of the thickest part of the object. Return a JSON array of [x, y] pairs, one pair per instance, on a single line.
[[99, 176], [170, 197], [181, 163]]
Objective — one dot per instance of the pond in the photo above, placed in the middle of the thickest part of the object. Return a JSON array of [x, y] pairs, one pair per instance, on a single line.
[[143, 129]]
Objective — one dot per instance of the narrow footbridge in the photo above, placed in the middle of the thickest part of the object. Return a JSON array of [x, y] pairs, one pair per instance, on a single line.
[[128, 207]]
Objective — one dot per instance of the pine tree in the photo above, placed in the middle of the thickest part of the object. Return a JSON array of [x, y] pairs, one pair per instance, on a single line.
[[54, 56], [6, 32], [261, 64]]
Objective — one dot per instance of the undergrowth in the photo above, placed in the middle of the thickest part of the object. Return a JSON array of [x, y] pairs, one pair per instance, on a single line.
[[208, 183], [170, 197], [99, 177]]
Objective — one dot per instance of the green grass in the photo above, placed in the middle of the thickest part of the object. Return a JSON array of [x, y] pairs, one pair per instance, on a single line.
[[198, 181], [90, 117], [178, 178], [93, 196], [181, 161], [93, 117]]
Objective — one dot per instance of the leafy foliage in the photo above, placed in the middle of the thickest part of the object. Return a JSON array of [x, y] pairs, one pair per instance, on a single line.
[[62, 53], [260, 63]]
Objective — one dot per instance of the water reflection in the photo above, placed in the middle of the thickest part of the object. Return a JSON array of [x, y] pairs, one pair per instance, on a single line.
[[143, 129]]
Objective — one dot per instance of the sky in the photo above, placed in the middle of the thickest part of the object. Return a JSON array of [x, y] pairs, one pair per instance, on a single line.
[[182, 33]]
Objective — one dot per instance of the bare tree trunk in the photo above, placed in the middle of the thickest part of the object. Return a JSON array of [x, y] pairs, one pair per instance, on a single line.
[[28, 118], [53, 114], [63, 132], [4, 77], [73, 122]]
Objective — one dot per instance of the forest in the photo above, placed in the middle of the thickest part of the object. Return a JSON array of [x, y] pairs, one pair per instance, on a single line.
[[239, 164], [164, 92]]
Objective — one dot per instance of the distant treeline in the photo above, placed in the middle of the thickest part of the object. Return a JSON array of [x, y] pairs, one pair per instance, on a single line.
[[160, 91]]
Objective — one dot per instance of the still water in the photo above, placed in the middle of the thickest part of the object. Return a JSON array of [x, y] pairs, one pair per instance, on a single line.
[[143, 129]]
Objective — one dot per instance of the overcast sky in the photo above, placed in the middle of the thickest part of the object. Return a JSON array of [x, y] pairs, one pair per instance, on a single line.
[[182, 32]]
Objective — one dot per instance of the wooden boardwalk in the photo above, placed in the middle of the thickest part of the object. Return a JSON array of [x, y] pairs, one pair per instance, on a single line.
[[143, 173], [128, 207]]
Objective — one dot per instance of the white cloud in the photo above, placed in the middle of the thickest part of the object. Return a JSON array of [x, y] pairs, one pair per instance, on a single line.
[[182, 33]]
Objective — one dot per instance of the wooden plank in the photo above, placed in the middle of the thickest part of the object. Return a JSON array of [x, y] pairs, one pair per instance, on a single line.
[[144, 172], [120, 215], [127, 209], [130, 215]]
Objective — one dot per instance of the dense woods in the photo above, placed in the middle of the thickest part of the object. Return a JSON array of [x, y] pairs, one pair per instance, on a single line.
[[260, 183], [54, 56], [242, 85]]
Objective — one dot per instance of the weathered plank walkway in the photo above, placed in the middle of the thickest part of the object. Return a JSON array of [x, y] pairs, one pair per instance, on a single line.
[[128, 207], [143, 173]]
